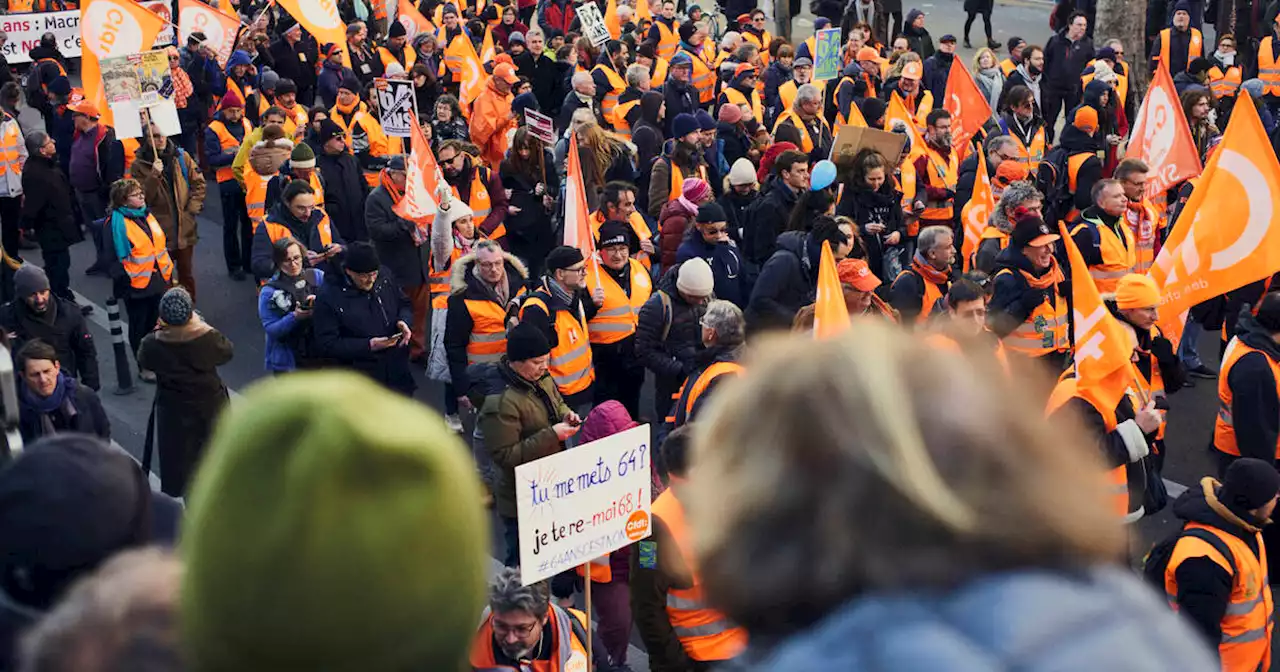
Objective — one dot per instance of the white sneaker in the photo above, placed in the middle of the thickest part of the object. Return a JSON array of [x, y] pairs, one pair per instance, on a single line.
[[453, 422]]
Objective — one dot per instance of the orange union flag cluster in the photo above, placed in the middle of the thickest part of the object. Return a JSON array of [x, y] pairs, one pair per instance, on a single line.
[[111, 28], [1162, 138], [219, 27], [320, 18]]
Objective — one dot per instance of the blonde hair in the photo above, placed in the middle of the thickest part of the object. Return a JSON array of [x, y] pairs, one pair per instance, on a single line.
[[977, 58], [877, 461]]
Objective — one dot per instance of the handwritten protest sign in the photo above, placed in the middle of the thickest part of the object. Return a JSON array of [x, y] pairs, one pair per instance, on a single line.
[[582, 503], [826, 64], [398, 106]]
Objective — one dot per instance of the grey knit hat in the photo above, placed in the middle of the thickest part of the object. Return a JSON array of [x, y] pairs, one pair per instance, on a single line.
[[176, 307]]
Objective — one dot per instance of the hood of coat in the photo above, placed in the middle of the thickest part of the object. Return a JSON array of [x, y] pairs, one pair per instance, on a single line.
[[605, 420], [1254, 335], [650, 105], [1075, 140], [267, 156], [461, 277], [1201, 505]]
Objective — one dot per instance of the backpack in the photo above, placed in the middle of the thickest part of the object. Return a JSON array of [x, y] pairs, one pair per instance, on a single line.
[[1053, 180], [1156, 561]]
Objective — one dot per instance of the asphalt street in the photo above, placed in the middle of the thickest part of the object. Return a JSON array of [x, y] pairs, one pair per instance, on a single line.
[[231, 306]]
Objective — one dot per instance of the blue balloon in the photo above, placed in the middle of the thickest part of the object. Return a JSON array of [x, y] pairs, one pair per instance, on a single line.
[[824, 173]]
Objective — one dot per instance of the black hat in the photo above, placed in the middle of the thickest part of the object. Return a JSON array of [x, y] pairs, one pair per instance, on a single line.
[[525, 342], [1031, 231], [614, 232], [396, 30], [563, 257], [710, 212], [947, 38], [329, 129], [286, 85], [1248, 484], [686, 31], [396, 162], [1182, 6], [350, 82], [1013, 43], [872, 109], [362, 257]]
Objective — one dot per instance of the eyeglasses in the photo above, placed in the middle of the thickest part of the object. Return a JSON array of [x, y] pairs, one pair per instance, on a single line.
[[502, 629], [581, 270], [135, 194], [293, 259]]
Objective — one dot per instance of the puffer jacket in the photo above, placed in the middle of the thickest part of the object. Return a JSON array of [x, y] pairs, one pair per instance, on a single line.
[[175, 196], [673, 358], [516, 424], [1036, 621], [787, 282], [605, 420], [675, 221]]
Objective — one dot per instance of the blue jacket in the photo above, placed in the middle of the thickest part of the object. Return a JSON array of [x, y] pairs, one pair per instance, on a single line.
[[732, 273], [277, 324], [1035, 621], [213, 152]]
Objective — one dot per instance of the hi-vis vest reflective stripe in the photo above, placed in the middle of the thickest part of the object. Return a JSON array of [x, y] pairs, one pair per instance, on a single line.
[[638, 225], [1225, 84], [1118, 254], [616, 319], [324, 227], [1033, 155], [620, 125], [1194, 50], [1143, 221], [1045, 329], [668, 38], [1247, 624], [148, 250], [1117, 478], [571, 658], [488, 339], [931, 295], [1074, 163], [438, 282], [941, 174], [687, 397], [1268, 68], [617, 86], [703, 79], [735, 97], [706, 634], [677, 179], [227, 141], [255, 194], [806, 138], [1224, 430], [10, 161], [571, 357], [479, 202]]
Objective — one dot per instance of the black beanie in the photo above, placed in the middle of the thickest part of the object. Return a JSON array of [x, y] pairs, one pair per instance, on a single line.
[[562, 257], [710, 212], [350, 82], [525, 342], [872, 109], [686, 31], [396, 30], [362, 257], [1249, 484], [1268, 312]]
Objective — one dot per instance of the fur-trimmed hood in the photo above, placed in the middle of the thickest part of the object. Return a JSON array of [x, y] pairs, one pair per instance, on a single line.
[[267, 156], [461, 277]]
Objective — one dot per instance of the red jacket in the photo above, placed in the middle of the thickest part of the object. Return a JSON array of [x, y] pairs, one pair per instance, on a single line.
[[673, 221]]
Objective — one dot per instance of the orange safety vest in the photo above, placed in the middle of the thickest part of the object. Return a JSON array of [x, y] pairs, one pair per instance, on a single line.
[[131, 146], [255, 194], [922, 108], [479, 202], [1144, 221], [1194, 50], [1117, 478], [1224, 430], [942, 174], [931, 295], [563, 659], [1045, 329], [620, 125], [659, 74], [361, 117], [387, 58], [638, 225], [616, 318], [571, 367], [854, 117], [668, 38], [688, 395], [1074, 163], [1121, 86], [706, 634], [1225, 84], [1031, 156], [227, 141], [787, 93], [438, 282], [488, 339], [148, 250], [735, 97], [1247, 625], [279, 231], [242, 92], [1268, 68], [762, 41], [703, 79], [677, 179], [1119, 254], [1007, 66], [610, 102], [806, 139], [298, 118], [10, 143]]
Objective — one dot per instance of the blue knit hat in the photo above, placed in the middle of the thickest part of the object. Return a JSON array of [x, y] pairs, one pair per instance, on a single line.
[[684, 124]]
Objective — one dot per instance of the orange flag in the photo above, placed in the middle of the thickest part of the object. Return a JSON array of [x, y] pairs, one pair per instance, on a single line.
[[577, 226], [643, 11], [413, 21], [321, 19], [968, 107], [218, 26], [975, 213], [1162, 138], [1103, 349], [897, 111], [421, 185], [111, 28], [226, 6], [487, 51], [1229, 233], [611, 19], [461, 54], [830, 314]]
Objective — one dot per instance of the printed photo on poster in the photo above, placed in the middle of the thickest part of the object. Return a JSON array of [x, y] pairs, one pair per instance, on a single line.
[[154, 81], [120, 79]]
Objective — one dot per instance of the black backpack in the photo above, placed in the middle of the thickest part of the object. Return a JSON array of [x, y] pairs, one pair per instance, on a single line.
[[1053, 181], [1156, 562]]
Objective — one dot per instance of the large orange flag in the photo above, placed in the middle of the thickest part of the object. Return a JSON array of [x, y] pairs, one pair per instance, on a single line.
[[1162, 138], [611, 19], [218, 26], [1229, 232], [321, 19], [1103, 349], [421, 185], [226, 6], [413, 21], [487, 51], [968, 107], [577, 225], [461, 54], [897, 111], [830, 314], [108, 29], [974, 215]]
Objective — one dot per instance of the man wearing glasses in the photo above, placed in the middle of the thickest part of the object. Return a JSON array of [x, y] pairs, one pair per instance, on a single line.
[[477, 186], [560, 308], [521, 629]]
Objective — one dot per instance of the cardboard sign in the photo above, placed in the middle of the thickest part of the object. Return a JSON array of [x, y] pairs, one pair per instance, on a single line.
[[540, 126], [852, 139], [826, 63], [582, 503], [593, 24], [398, 105]]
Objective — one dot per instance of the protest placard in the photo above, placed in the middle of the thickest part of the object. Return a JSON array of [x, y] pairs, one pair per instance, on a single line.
[[155, 83], [120, 80], [593, 23], [852, 139], [25, 30], [540, 126], [826, 64], [582, 503], [398, 106], [161, 8]]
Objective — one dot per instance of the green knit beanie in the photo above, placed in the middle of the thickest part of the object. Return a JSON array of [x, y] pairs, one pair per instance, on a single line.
[[335, 526]]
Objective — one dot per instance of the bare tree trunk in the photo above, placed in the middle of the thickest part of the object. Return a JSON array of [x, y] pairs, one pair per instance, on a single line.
[[1126, 20]]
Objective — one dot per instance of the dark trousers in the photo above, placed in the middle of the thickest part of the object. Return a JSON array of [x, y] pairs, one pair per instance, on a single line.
[[11, 224], [94, 207], [184, 260], [237, 230], [613, 609], [57, 265], [618, 376], [986, 23], [526, 14], [511, 535], [1055, 101], [143, 314]]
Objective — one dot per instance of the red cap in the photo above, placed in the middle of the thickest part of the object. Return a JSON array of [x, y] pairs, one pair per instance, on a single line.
[[506, 73], [85, 107], [856, 273]]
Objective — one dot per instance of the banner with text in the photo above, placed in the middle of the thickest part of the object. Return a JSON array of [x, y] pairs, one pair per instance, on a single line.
[[582, 503], [24, 32]]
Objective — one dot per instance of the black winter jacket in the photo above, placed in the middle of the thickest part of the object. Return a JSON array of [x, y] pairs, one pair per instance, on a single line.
[[672, 358], [787, 283], [47, 205], [346, 319], [766, 219], [66, 332], [1255, 408], [344, 194], [1064, 60]]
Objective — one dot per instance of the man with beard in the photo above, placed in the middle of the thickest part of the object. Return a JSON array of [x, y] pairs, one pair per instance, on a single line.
[[683, 160], [477, 186]]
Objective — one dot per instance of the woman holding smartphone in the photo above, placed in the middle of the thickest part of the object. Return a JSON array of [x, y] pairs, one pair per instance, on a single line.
[[285, 305]]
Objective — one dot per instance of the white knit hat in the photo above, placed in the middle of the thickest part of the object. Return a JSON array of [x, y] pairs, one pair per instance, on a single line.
[[742, 172], [695, 278], [457, 210]]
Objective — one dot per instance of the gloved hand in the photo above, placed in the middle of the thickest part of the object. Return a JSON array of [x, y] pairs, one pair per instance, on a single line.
[[1162, 348]]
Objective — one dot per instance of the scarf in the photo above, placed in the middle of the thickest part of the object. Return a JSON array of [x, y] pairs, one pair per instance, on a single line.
[[1032, 83], [929, 273], [347, 110], [1226, 59], [119, 214], [688, 205], [1050, 278], [182, 88], [993, 79], [62, 397], [397, 193], [559, 292]]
